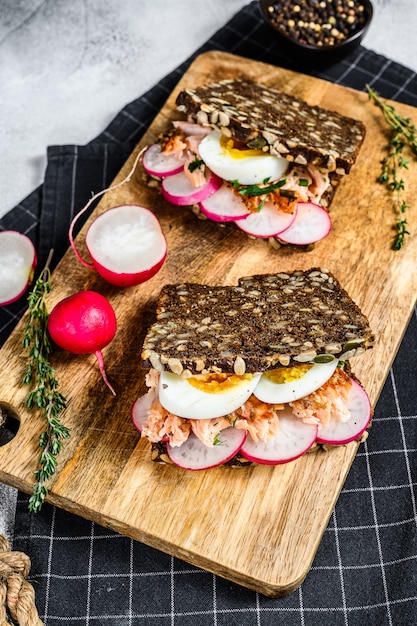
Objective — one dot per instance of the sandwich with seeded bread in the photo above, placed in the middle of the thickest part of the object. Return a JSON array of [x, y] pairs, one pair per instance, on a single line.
[[254, 372], [258, 157]]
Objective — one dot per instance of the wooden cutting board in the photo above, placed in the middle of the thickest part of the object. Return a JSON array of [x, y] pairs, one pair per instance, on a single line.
[[259, 526]]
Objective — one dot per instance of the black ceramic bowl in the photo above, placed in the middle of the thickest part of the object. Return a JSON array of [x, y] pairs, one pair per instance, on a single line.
[[295, 44]]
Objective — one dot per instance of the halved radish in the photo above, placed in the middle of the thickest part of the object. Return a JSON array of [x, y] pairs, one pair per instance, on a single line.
[[179, 190], [293, 439], [126, 245], [158, 164], [268, 222], [195, 455], [17, 264], [224, 206], [312, 223], [337, 432]]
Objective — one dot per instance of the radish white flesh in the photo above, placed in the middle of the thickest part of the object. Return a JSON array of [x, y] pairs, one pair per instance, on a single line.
[[192, 128], [268, 222], [158, 164], [141, 407], [293, 439], [84, 323], [127, 245], [194, 455], [17, 265], [312, 223], [337, 432], [179, 190], [224, 206]]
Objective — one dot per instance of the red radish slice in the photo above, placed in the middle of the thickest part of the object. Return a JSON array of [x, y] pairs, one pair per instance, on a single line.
[[191, 128], [268, 222], [141, 407], [312, 223], [158, 164], [17, 264], [126, 245], [224, 206], [293, 439], [179, 190], [194, 455], [337, 432]]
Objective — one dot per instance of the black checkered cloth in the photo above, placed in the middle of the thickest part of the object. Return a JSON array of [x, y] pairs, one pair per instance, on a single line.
[[365, 570]]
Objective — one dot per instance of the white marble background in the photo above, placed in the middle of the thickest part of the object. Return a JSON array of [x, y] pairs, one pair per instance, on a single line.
[[67, 67]]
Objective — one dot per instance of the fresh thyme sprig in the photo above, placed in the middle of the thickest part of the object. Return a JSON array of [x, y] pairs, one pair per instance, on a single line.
[[403, 133], [44, 394]]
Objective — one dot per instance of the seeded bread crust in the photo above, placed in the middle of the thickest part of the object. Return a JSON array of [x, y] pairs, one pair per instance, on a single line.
[[266, 321], [264, 118]]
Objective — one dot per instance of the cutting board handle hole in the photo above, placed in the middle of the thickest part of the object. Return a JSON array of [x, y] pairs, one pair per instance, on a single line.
[[9, 423]]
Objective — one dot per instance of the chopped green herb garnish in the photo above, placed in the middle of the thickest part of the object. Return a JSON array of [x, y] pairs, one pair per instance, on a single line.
[[257, 190], [195, 165]]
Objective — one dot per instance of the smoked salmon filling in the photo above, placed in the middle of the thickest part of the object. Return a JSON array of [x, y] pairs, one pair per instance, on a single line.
[[299, 184], [259, 419]]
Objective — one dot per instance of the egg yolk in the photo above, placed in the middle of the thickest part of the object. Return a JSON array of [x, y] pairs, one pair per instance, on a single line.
[[228, 146], [217, 383], [283, 375]]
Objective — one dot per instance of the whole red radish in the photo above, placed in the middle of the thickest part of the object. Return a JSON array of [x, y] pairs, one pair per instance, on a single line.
[[17, 264], [84, 323]]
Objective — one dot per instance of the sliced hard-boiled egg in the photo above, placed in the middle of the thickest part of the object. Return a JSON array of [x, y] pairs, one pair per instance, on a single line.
[[248, 167], [287, 384], [205, 396]]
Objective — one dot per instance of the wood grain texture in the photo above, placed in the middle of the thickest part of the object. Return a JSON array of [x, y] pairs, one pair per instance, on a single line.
[[258, 526]]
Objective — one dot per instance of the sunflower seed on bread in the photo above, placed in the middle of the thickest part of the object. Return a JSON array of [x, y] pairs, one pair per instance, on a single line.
[[263, 322], [264, 118]]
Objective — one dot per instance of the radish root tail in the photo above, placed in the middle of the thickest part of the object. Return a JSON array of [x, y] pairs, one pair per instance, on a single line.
[[89, 203], [99, 356]]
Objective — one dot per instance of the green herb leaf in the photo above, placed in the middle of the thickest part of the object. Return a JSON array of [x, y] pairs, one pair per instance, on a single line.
[[195, 165], [257, 190]]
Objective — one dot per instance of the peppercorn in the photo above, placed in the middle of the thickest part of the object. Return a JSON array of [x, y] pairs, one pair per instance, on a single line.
[[317, 22]]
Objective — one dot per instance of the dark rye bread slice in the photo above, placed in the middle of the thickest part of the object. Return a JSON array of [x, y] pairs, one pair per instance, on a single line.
[[265, 321], [264, 118]]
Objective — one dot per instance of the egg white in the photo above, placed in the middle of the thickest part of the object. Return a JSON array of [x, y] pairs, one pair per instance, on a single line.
[[275, 393], [247, 170], [178, 396]]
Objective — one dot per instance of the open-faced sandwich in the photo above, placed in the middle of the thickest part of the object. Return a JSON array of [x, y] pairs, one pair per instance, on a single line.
[[255, 372], [248, 154]]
